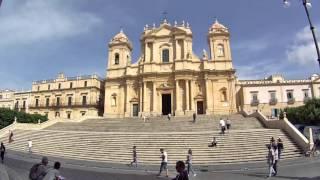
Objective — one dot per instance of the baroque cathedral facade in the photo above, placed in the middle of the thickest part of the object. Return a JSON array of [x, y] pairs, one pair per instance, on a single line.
[[168, 77]]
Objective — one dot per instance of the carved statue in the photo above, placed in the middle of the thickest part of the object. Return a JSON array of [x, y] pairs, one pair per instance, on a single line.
[[205, 54]]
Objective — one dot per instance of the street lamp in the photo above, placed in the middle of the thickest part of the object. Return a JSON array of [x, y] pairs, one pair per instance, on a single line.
[[307, 4]]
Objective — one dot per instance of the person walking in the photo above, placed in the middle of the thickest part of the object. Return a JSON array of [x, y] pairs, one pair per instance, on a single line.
[[280, 146], [222, 125], [194, 117], [10, 136], [169, 117], [276, 159], [189, 163], [30, 146], [2, 151], [182, 174], [134, 157], [228, 124], [270, 160], [53, 174], [164, 162]]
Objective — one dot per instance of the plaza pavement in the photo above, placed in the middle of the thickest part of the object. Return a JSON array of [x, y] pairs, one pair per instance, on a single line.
[[18, 165]]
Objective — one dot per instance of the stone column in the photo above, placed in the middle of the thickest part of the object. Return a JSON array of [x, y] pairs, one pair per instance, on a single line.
[[144, 96], [208, 97], [127, 101], [178, 106], [192, 105], [154, 98], [187, 94], [140, 97]]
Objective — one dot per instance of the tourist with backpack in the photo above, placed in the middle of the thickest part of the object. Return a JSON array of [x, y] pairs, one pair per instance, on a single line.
[[39, 170], [2, 151]]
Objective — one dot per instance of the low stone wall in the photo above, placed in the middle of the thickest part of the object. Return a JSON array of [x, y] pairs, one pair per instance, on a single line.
[[285, 125]]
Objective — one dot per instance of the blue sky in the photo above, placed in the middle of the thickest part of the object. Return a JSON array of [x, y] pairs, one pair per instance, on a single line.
[[39, 39]]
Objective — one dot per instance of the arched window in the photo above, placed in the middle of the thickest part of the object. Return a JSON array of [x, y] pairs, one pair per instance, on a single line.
[[165, 55], [114, 100], [220, 50], [116, 58], [223, 94]]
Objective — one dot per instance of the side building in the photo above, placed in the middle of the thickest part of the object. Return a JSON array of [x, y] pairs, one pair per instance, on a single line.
[[274, 93], [22, 101], [68, 97], [6, 99]]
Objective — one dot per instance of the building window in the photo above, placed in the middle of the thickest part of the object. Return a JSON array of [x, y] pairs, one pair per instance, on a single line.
[[289, 95], [17, 105], [47, 102], [59, 86], [223, 94], [116, 58], [273, 95], [38, 88], [84, 100], [1, 96], [37, 102], [58, 101], [69, 101], [114, 100], [165, 55], [48, 86], [254, 99], [85, 83], [306, 93], [220, 50], [24, 104], [71, 84], [57, 114], [69, 115]]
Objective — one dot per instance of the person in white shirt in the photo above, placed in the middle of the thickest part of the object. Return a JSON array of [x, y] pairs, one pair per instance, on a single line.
[[30, 146], [222, 125], [164, 162], [270, 160], [276, 159]]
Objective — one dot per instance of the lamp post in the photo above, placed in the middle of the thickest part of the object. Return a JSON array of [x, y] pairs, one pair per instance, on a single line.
[[307, 5]]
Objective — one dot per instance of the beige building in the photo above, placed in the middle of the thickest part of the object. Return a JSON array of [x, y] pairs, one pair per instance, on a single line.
[[168, 77], [6, 98], [274, 93], [22, 100], [67, 97]]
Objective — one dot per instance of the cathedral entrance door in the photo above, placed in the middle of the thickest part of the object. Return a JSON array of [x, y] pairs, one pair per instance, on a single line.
[[135, 110], [166, 104], [200, 107]]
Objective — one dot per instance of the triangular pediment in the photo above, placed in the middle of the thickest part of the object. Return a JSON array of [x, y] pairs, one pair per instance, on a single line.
[[166, 30]]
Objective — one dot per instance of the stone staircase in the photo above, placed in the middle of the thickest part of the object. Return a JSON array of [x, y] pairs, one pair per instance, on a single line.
[[236, 146], [157, 124]]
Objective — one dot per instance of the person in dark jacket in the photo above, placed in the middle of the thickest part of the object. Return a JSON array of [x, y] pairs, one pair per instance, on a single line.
[[134, 157], [182, 173], [280, 146], [2, 151]]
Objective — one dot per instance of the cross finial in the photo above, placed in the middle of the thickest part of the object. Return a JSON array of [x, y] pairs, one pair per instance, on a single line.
[[216, 19], [165, 13], [121, 29]]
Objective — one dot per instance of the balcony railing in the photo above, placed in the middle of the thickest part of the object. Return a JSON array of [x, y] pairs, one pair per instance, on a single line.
[[273, 101], [65, 105], [291, 101], [255, 102]]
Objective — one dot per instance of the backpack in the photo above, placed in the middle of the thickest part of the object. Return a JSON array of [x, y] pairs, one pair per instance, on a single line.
[[33, 172]]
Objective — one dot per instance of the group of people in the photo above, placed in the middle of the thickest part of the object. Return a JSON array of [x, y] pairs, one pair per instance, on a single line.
[[224, 125], [274, 154], [41, 171], [180, 165]]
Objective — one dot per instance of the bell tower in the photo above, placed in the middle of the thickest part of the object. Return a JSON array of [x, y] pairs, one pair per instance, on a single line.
[[219, 44], [120, 49]]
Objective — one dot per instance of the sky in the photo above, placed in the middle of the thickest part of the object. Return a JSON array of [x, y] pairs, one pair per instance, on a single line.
[[39, 39]]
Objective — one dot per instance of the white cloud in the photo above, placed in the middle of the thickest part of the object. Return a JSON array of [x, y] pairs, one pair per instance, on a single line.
[[302, 51], [37, 20]]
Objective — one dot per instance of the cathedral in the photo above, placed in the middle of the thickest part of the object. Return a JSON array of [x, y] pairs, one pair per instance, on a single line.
[[169, 78]]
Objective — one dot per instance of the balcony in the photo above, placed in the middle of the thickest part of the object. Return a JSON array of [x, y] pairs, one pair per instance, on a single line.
[[254, 102], [273, 101], [66, 105], [291, 101]]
